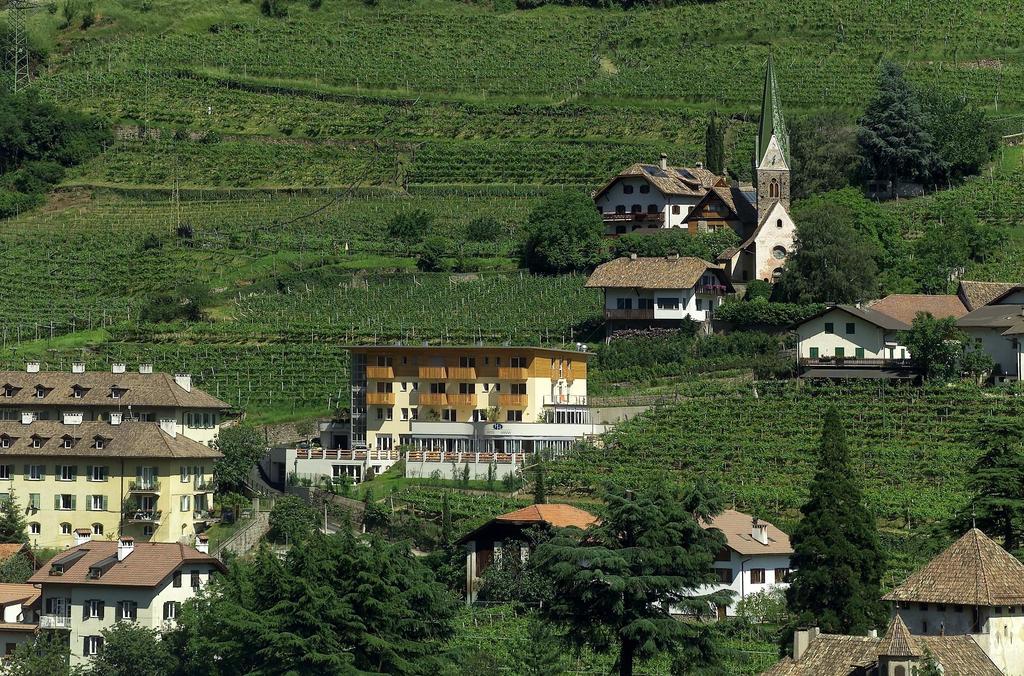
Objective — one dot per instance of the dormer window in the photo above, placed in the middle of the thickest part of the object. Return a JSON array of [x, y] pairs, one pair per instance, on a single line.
[[78, 391], [37, 442], [8, 391], [40, 391], [117, 392], [5, 441], [98, 442], [67, 442]]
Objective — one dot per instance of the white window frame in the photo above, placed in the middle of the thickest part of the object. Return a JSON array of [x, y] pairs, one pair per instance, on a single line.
[[35, 472], [5, 472], [92, 645], [94, 609], [35, 528], [97, 529], [65, 528], [62, 502], [99, 473], [93, 505], [69, 475], [186, 503]]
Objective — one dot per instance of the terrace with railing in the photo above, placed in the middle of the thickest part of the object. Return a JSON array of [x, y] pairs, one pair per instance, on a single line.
[[459, 458], [350, 455], [144, 486]]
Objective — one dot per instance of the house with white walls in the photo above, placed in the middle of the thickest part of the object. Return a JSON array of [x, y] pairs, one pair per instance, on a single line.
[[996, 325], [847, 341], [96, 583], [19, 611], [756, 558], [661, 292]]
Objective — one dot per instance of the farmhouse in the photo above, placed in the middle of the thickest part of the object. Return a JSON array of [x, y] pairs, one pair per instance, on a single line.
[[513, 534], [485, 407], [663, 292], [755, 558], [99, 582], [847, 341], [647, 197]]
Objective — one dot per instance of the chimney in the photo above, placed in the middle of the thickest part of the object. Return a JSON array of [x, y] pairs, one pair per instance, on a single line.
[[78, 367], [802, 639], [32, 367], [184, 381], [82, 535], [202, 544], [664, 162], [872, 633], [73, 418], [759, 531], [700, 165], [145, 368], [632, 256], [116, 418], [118, 367], [27, 417], [170, 426], [125, 546]]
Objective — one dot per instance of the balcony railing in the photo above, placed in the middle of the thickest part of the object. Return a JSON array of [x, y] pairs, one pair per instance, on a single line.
[[462, 399], [512, 373], [433, 399], [380, 373], [54, 621], [462, 373], [380, 398], [143, 515], [144, 486], [433, 373], [338, 454], [628, 314], [566, 400], [854, 362], [713, 289], [513, 400], [202, 515], [653, 220]]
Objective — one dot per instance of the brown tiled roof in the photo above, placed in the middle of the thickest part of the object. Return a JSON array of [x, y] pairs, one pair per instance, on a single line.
[[558, 515], [906, 306], [973, 571], [137, 389], [979, 294], [838, 655], [8, 549], [130, 439], [898, 642], [146, 566], [1008, 318], [25, 594], [739, 206], [17, 626], [737, 526], [682, 181], [880, 320], [653, 273]]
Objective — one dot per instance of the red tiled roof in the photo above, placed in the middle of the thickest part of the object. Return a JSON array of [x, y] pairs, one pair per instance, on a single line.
[[906, 306], [146, 566], [560, 516], [26, 594], [9, 549]]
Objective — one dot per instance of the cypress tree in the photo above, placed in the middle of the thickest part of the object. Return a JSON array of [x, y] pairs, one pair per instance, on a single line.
[[714, 145], [540, 492], [12, 523], [837, 557], [998, 480]]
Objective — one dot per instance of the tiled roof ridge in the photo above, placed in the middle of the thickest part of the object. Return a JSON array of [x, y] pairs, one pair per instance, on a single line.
[[982, 567], [898, 641]]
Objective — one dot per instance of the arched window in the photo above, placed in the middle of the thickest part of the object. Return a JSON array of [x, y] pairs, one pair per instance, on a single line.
[[97, 529], [778, 223], [773, 188], [34, 528], [779, 253], [65, 528]]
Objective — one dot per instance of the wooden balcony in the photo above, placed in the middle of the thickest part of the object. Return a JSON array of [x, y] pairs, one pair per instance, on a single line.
[[380, 373], [462, 400], [380, 398], [431, 399], [649, 220], [644, 314], [854, 362], [512, 373], [461, 373], [512, 400], [433, 373]]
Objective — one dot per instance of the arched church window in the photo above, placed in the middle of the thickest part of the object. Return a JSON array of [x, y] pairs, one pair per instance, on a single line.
[[773, 188], [778, 223]]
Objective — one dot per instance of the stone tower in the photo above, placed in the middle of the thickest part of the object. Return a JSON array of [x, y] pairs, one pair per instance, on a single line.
[[771, 150]]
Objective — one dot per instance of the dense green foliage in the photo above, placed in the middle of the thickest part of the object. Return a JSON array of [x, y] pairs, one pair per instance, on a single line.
[[130, 649], [997, 481], [617, 583], [759, 312], [678, 241], [12, 520], [563, 234], [941, 351], [292, 520], [837, 556], [242, 446]]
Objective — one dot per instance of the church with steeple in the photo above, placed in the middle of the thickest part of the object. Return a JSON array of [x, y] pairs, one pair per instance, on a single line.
[[645, 197]]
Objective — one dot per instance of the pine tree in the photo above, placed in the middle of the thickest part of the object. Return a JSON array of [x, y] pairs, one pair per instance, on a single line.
[[540, 493], [616, 586], [837, 556], [998, 480], [714, 145], [893, 141], [12, 522]]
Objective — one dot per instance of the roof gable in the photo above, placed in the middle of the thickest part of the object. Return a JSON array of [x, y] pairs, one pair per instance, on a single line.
[[880, 320], [978, 294]]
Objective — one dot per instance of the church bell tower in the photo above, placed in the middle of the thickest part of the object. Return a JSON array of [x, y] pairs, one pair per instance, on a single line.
[[771, 150]]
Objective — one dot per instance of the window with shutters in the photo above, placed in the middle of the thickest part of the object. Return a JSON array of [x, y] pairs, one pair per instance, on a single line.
[[171, 610], [185, 474], [66, 472], [127, 610], [65, 502], [94, 609], [185, 503], [97, 472], [93, 646], [35, 472], [5, 472], [97, 503], [176, 578], [33, 501]]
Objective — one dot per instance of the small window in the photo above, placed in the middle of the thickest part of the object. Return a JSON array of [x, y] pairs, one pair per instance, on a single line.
[[185, 503], [35, 472], [724, 575], [620, 209], [8, 391], [449, 415], [778, 253], [96, 503], [757, 576], [77, 392], [65, 503], [34, 528], [34, 501], [859, 352], [851, 328], [194, 579], [653, 209], [99, 443], [781, 575], [514, 416], [97, 529], [814, 353], [666, 303], [93, 646], [176, 578], [5, 472], [840, 352], [37, 442], [778, 223], [171, 610], [128, 610], [645, 188], [636, 209], [40, 392], [624, 303], [65, 528], [675, 209], [67, 442], [5, 441], [627, 189], [829, 327], [67, 472], [147, 530]]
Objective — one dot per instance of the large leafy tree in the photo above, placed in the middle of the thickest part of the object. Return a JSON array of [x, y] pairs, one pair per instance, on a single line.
[[894, 142], [242, 446], [823, 149], [130, 649], [997, 480], [338, 604], [834, 261], [563, 234], [292, 520], [837, 557], [935, 346], [964, 138], [616, 582], [46, 653]]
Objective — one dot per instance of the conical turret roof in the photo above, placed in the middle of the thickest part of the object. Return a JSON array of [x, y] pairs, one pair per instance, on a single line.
[[898, 641]]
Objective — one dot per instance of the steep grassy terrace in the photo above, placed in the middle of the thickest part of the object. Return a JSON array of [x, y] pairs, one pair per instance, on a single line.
[[911, 448]]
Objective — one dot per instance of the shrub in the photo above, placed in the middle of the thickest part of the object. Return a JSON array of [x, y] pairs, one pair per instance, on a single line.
[[483, 229]]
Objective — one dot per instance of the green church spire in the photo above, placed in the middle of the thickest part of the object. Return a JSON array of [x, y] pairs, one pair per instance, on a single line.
[[771, 122]]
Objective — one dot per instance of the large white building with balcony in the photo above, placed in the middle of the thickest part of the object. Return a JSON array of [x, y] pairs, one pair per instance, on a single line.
[[659, 292]]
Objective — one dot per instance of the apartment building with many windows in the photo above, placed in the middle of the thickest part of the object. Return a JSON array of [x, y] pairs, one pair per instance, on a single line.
[[438, 407]]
